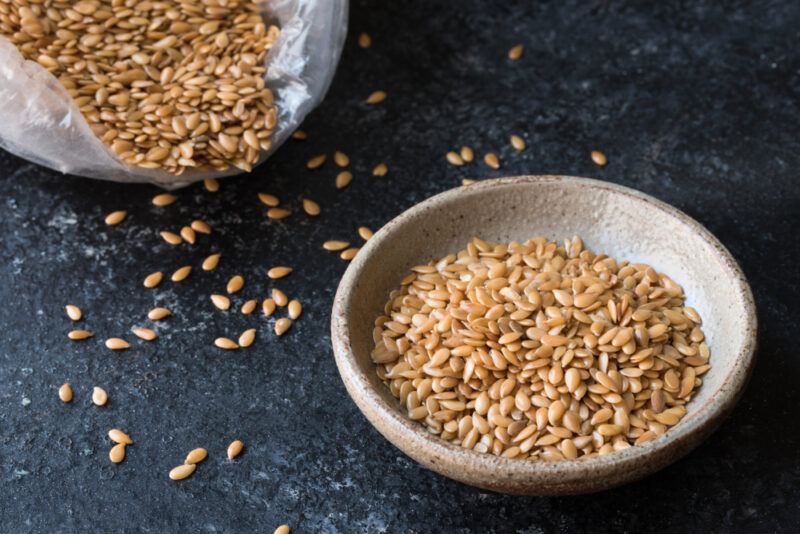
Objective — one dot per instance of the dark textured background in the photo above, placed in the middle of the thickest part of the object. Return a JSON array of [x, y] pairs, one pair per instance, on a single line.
[[694, 102]]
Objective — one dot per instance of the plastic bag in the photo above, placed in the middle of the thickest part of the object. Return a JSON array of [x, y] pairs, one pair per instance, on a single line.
[[40, 122]]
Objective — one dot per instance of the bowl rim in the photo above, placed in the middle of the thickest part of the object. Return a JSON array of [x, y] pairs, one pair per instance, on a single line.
[[390, 422]]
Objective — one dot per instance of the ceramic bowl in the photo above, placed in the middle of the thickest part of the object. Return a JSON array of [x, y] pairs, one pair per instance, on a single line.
[[611, 219]]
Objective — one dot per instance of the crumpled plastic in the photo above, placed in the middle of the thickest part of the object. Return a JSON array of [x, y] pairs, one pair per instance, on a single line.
[[40, 122]]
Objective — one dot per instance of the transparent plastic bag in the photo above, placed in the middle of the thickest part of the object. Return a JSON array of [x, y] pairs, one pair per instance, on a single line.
[[40, 122]]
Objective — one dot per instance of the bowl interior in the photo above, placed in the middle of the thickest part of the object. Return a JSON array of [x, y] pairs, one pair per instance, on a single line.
[[610, 219]]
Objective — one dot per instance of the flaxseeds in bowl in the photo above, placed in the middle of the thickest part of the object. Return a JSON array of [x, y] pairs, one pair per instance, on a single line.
[[540, 351]]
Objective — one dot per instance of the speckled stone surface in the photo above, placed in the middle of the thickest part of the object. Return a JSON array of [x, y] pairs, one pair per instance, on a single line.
[[694, 103]]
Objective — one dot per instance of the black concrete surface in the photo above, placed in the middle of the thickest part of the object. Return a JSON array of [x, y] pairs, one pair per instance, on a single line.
[[696, 103]]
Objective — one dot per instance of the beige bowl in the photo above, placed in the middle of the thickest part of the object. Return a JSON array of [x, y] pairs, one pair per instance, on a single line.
[[611, 219]]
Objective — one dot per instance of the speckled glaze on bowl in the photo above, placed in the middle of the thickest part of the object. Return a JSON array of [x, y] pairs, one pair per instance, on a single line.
[[611, 219]]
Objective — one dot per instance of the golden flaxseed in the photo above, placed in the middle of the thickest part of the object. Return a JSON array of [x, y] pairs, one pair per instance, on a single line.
[[380, 170], [117, 453], [599, 158], [221, 301], [249, 307], [182, 471], [278, 213], [73, 312], [235, 449], [467, 154], [279, 297], [65, 393], [343, 179], [518, 142], [268, 306], [211, 185], [116, 343], [116, 217], [171, 237], [365, 233], [118, 436], [164, 199], [311, 207], [270, 200], [211, 262], [491, 160], [376, 97], [196, 456], [453, 158], [226, 343], [349, 253], [279, 272], [335, 246], [99, 396], [144, 333], [157, 314], [188, 235], [235, 284], [316, 162], [201, 227], [300, 135], [295, 309], [282, 325], [78, 335], [364, 40], [515, 52], [181, 274], [153, 279], [341, 159], [247, 338]]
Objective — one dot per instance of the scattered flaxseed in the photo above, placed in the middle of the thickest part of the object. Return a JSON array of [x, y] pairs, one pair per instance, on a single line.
[[364, 40], [171, 237], [599, 158], [270, 200], [365, 233], [196, 456], [268, 306], [283, 529], [211, 262], [181, 274], [235, 284], [300, 135], [279, 297], [115, 343], [515, 52], [341, 159], [277, 273], [235, 449], [118, 436], [278, 213], [144, 333], [249, 307], [225, 343], [247, 338], [335, 246], [164, 199], [65, 393], [282, 325], [78, 335], [518, 142], [491, 160], [73, 312], [467, 181], [453, 158], [153, 279], [221, 301], [295, 309], [311, 207], [349, 254], [380, 170], [316, 162], [117, 453], [116, 217], [467, 154], [343, 179], [211, 185], [157, 314], [201, 227], [188, 235], [376, 97], [99, 396], [182, 471]]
